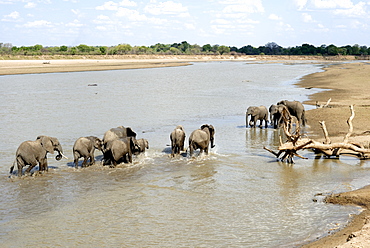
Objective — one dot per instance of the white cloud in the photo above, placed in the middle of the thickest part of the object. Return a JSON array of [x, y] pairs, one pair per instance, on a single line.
[[190, 26], [12, 17], [307, 17], [110, 5], [274, 17], [244, 6], [355, 11], [220, 21], [38, 24], [75, 24], [132, 15], [300, 4], [165, 8], [30, 5], [330, 4]]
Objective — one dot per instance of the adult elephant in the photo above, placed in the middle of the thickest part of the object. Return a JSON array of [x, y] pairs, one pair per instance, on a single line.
[[35, 152], [276, 114], [121, 150], [143, 145], [177, 138], [113, 134], [201, 138], [296, 109], [84, 147], [257, 113]]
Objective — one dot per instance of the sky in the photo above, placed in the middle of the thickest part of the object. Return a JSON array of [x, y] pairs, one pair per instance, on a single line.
[[237, 23]]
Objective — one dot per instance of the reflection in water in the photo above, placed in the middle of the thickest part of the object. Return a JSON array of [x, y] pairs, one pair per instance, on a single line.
[[238, 195]]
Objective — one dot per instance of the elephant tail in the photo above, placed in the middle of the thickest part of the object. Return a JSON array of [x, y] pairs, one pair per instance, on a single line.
[[12, 167]]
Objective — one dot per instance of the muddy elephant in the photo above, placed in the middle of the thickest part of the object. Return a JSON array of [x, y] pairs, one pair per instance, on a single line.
[[121, 150], [296, 109], [257, 113], [35, 152], [201, 138], [276, 114], [84, 147], [143, 145], [177, 138], [113, 134]]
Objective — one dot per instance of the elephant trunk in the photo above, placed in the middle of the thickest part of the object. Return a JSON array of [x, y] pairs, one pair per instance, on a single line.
[[60, 155]]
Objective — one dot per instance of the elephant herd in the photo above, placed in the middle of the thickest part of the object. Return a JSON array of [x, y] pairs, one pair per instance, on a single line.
[[118, 145], [294, 108]]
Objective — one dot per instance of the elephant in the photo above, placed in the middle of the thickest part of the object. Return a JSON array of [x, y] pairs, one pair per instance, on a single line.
[[113, 134], [295, 109], [35, 152], [84, 147], [276, 114], [177, 138], [143, 144], [201, 138], [257, 113], [122, 150]]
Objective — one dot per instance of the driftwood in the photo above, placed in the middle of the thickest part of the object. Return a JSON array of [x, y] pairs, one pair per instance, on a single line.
[[326, 105], [295, 142]]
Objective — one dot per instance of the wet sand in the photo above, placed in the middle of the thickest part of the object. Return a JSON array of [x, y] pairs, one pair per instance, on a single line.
[[348, 84]]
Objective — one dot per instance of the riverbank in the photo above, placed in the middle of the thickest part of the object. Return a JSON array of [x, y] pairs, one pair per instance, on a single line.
[[344, 84], [57, 63]]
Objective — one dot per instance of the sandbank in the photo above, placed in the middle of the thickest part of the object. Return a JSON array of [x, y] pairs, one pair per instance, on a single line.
[[345, 84]]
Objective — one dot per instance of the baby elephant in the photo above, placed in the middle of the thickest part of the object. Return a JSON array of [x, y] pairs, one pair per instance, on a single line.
[[143, 144], [84, 147], [177, 138]]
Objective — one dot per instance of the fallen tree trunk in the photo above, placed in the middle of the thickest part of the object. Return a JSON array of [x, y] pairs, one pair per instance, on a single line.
[[295, 143]]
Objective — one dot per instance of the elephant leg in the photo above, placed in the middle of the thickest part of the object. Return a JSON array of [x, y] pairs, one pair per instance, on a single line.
[[129, 157], [28, 170], [76, 162], [84, 163], [20, 165], [43, 164], [92, 159], [173, 151]]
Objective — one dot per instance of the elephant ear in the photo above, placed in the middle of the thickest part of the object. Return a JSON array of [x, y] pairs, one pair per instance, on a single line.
[[47, 143], [130, 132], [204, 126]]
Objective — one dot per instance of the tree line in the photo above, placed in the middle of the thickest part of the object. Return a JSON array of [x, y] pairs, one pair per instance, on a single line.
[[184, 47]]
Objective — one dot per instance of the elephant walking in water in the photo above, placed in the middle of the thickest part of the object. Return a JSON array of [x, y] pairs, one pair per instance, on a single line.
[[257, 113], [143, 145], [114, 134], [201, 138], [84, 147], [296, 109], [276, 114], [35, 152], [121, 150], [177, 138]]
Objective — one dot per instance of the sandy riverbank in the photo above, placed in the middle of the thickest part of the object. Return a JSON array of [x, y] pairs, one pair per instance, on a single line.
[[48, 64], [348, 84]]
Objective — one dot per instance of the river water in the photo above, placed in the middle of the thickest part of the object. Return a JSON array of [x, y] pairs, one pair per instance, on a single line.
[[237, 196]]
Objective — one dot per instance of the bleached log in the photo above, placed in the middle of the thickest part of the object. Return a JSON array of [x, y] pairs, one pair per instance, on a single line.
[[295, 142]]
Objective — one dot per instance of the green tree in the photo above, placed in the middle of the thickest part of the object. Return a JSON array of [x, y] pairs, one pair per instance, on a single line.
[[123, 49], [223, 49], [63, 48], [332, 50], [206, 48]]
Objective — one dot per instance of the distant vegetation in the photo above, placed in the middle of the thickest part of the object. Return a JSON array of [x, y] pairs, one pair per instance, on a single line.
[[184, 47]]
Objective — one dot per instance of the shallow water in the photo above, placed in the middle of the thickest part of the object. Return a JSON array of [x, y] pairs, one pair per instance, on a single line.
[[238, 195]]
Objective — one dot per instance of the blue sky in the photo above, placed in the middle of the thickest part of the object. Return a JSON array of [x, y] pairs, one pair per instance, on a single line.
[[147, 22]]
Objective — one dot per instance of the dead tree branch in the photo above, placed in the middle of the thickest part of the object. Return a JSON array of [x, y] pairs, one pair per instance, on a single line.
[[295, 142]]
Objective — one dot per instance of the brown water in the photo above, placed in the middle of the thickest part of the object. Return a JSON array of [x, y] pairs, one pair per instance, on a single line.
[[238, 196]]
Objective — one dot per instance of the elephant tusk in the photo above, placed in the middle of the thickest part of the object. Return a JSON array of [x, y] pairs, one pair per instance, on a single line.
[[63, 156]]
